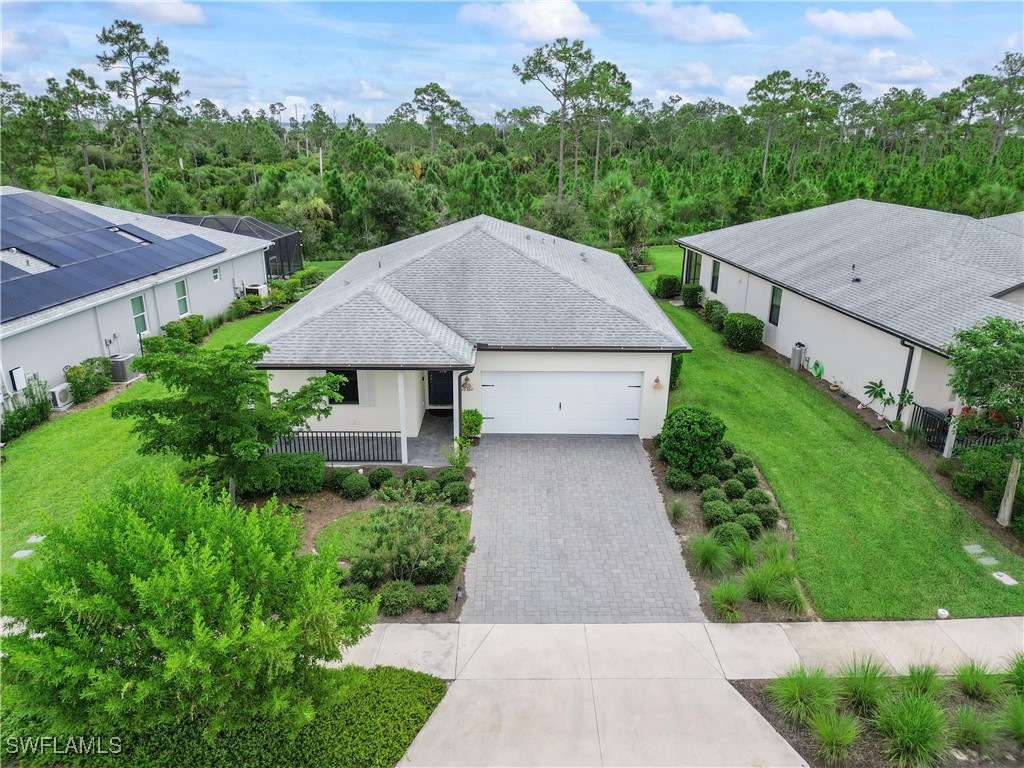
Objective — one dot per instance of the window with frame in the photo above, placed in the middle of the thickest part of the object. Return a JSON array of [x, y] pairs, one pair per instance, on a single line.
[[716, 267], [216, 274], [693, 264], [349, 390], [181, 291], [773, 310], [139, 314]]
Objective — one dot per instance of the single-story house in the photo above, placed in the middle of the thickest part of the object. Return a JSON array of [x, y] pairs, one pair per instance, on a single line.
[[283, 257], [80, 280], [874, 291], [540, 334]]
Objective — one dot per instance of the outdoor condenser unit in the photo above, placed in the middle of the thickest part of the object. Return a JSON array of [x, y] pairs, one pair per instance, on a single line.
[[120, 367], [796, 357]]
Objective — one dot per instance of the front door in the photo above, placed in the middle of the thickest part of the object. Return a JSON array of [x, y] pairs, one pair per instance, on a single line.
[[439, 388]]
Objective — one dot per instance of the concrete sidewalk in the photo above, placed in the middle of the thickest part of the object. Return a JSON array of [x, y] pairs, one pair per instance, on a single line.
[[640, 694]]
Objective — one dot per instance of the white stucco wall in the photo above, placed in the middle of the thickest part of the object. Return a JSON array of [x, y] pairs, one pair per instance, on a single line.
[[930, 385]]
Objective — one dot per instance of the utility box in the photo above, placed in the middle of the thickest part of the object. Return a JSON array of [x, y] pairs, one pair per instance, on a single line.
[[796, 357], [120, 367]]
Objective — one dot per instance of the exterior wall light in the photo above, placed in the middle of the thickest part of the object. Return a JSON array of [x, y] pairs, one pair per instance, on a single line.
[[467, 385], [657, 383]]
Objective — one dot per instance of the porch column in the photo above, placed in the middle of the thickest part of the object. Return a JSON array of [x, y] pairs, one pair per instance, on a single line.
[[456, 415], [401, 417], [947, 449]]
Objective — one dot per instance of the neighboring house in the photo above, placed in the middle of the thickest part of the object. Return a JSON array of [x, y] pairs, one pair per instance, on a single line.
[[540, 334], [79, 280], [874, 290], [282, 258]]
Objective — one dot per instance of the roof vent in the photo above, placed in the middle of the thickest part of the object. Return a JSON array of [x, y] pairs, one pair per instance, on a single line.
[[528, 237], [855, 278]]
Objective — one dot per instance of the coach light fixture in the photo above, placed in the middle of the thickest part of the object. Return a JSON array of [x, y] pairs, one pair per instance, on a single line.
[[657, 383]]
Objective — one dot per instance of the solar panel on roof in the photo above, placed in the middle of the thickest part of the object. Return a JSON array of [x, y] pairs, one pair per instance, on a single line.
[[10, 272], [131, 229]]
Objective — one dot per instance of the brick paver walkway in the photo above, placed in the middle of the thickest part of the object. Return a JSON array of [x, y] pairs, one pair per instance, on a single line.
[[569, 529]]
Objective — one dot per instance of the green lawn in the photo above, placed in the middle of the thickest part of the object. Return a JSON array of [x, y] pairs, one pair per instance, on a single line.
[[327, 268], [240, 331], [667, 260], [875, 536]]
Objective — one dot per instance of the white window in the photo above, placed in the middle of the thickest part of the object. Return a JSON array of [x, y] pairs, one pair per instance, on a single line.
[[181, 291], [139, 313], [216, 274]]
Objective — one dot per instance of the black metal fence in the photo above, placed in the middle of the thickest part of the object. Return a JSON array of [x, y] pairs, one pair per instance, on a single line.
[[935, 425], [344, 446]]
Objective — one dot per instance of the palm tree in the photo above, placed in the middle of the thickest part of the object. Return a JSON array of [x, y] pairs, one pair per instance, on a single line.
[[636, 217]]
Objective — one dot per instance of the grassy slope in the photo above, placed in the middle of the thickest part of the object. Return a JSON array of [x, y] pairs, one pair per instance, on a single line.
[[876, 538]]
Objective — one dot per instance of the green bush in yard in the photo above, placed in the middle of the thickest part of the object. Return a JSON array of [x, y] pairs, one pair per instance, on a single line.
[[757, 497], [751, 523], [472, 423], [667, 286], [733, 488], [689, 437], [743, 331], [748, 477], [713, 494], [715, 313], [354, 487], [767, 514], [691, 293], [30, 408], [728, 448], [726, 533], [396, 597], [421, 544], [191, 329], [357, 591], [678, 479], [415, 475], [450, 475], [284, 473], [716, 513], [945, 467], [742, 462], [741, 506], [724, 469], [435, 598], [457, 492], [964, 484], [337, 477], [308, 277], [378, 476], [704, 482], [425, 491], [89, 378], [675, 369]]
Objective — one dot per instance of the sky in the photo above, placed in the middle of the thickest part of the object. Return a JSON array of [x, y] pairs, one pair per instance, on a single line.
[[366, 58]]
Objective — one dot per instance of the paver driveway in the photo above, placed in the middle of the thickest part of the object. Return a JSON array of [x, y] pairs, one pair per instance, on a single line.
[[572, 529]]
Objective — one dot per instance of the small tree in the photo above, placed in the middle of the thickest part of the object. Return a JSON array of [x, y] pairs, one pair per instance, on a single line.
[[163, 605], [219, 406], [988, 376], [635, 218]]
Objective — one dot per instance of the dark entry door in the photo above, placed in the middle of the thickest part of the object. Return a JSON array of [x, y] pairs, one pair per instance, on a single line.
[[439, 386]]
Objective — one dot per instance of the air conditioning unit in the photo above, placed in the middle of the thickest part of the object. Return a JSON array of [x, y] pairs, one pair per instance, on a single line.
[[60, 396], [257, 290]]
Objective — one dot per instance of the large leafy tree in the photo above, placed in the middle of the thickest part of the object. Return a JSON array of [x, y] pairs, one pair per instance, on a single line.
[[219, 408], [164, 605], [988, 376], [84, 100], [609, 91], [144, 80], [440, 108]]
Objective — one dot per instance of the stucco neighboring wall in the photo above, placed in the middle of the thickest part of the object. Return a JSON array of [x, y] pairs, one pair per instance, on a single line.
[[930, 386], [653, 403], [1016, 296]]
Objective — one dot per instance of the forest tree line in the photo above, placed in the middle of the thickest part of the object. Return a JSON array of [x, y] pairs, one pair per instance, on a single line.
[[589, 162]]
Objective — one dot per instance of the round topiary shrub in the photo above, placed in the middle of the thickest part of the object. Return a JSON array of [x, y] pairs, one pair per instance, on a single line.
[[354, 487], [689, 438], [450, 475], [728, 448], [396, 597], [691, 294], [706, 481], [751, 524], [425, 491], [356, 591], [457, 492], [368, 570], [733, 488], [714, 313], [435, 598], [757, 497], [678, 479], [415, 475], [379, 476], [716, 513], [713, 494], [337, 477], [748, 477], [719, 454], [768, 515], [742, 461], [741, 506], [743, 331], [724, 469], [727, 533]]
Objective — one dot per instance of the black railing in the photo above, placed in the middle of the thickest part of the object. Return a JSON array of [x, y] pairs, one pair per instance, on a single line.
[[344, 446], [935, 425]]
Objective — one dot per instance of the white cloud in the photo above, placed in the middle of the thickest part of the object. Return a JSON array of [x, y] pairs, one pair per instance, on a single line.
[[863, 25], [176, 12], [22, 46], [692, 23], [536, 20], [739, 85], [692, 73], [367, 91]]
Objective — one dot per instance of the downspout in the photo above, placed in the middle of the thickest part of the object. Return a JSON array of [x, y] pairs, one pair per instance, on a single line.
[[906, 374], [457, 416]]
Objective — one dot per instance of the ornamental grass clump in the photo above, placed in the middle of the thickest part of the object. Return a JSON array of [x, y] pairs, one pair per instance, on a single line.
[[725, 600], [708, 555], [864, 685], [923, 680], [742, 553], [977, 681], [836, 733], [802, 693], [915, 729], [972, 729]]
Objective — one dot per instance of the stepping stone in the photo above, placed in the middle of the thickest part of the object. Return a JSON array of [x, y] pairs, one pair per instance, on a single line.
[[22, 553], [988, 561], [1006, 578], [974, 549], [34, 539]]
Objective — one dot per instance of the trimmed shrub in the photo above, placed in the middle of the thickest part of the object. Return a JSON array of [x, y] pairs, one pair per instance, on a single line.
[[728, 448], [689, 438], [726, 533], [945, 467], [472, 423], [245, 306], [354, 487], [716, 513], [284, 473], [741, 507], [425, 491], [397, 597], [667, 286], [767, 514], [414, 475], [742, 461], [691, 294], [724, 469], [757, 497], [88, 378], [733, 488], [704, 482], [748, 477], [743, 331], [191, 329], [713, 494], [714, 313], [308, 277], [379, 475], [456, 492], [337, 477], [964, 484], [450, 475], [750, 522], [357, 591], [678, 479], [435, 598]]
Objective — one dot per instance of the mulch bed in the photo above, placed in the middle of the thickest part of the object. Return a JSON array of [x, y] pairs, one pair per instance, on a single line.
[[692, 524], [869, 749]]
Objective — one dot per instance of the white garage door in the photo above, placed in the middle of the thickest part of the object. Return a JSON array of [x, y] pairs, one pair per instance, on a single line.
[[561, 402]]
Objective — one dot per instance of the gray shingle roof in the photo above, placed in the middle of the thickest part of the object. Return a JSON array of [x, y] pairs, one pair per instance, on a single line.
[[923, 274], [431, 300]]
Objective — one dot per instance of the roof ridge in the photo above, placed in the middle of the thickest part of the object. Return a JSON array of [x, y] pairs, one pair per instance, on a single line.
[[425, 333], [955, 237]]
